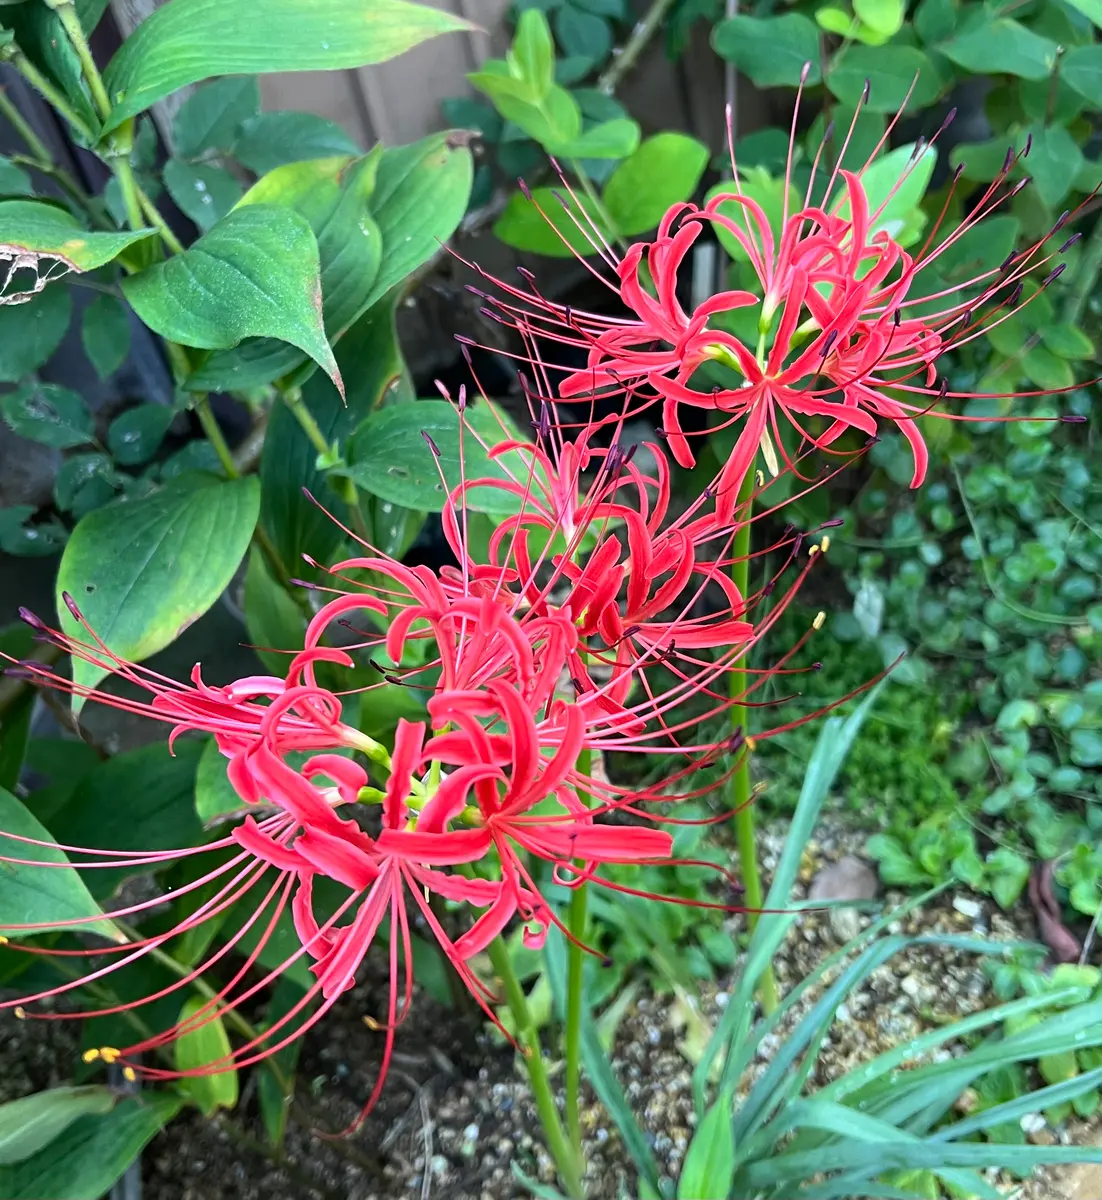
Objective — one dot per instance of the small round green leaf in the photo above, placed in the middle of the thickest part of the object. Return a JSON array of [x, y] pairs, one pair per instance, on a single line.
[[889, 72], [31, 332], [665, 170], [143, 572], [1001, 46], [53, 896], [134, 436], [255, 274], [201, 192], [48, 413], [582, 33], [548, 225], [105, 334], [772, 51], [76, 472]]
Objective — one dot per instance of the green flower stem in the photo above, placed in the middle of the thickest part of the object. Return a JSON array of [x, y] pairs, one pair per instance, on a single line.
[[292, 397], [215, 437], [153, 216], [528, 1039], [124, 173], [741, 793], [575, 1007], [598, 204]]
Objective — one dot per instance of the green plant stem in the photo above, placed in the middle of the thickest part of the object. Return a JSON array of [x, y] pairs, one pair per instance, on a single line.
[[49, 93], [33, 142], [1090, 263], [70, 22], [153, 216], [528, 1039], [575, 1008], [124, 173], [292, 397], [741, 792], [214, 436], [595, 199], [634, 46]]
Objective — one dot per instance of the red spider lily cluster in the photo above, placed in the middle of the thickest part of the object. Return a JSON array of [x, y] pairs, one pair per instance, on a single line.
[[603, 618]]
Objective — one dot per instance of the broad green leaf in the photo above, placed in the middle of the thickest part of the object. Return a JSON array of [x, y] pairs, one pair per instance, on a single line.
[[889, 72], [14, 181], [1068, 341], [30, 332], [665, 170], [582, 33], [29, 1124], [421, 194], [93, 1154], [1001, 46], [135, 435], [274, 621], [935, 20], [610, 139], [48, 413], [204, 1044], [1081, 67], [1054, 161], [896, 181], [556, 120], [140, 800], [1091, 9], [43, 229], [546, 224], [54, 897], [883, 16], [532, 55], [105, 334], [275, 1101], [772, 51], [255, 274], [392, 460], [42, 39], [203, 193], [142, 572], [710, 1159], [214, 794], [271, 139], [333, 195], [288, 466], [767, 191], [209, 118], [185, 41]]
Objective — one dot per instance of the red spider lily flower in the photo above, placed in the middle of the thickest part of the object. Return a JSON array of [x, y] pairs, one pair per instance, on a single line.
[[835, 343]]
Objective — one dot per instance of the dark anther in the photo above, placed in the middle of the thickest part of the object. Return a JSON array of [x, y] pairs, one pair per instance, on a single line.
[[477, 291], [816, 666], [833, 523], [630, 454], [577, 684], [897, 316], [959, 172], [463, 340], [524, 273], [828, 133], [767, 591], [1015, 296], [828, 344], [71, 605], [943, 389], [1028, 146], [524, 189], [709, 493], [568, 315], [1072, 419], [461, 404], [920, 146], [950, 117], [30, 619], [1062, 220], [1018, 187], [736, 740], [1006, 262], [606, 961], [865, 91], [1069, 243], [303, 583], [376, 666], [431, 444], [1008, 160], [1055, 273]]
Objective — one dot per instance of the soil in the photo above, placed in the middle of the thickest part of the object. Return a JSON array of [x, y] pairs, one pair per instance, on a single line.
[[456, 1112]]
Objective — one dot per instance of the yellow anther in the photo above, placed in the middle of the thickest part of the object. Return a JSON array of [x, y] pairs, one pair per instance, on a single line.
[[759, 478], [89, 1056], [372, 1024], [812, 551], [20, 1013], [820, 619], [3, 940], [750, 744], [129, 1074], [824, 545], [109, 1054]]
